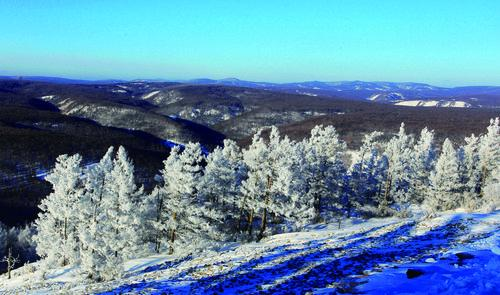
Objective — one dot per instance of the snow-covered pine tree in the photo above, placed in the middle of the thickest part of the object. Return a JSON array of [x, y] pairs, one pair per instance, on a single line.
[[489, 162], [253, 187], [397, 188], [154, 217], [381, 176], [422, 163], [291, 187], [470, 174], [445, 181], [57, 224], [93, 217], [364, 175], [274, 187], [491, 192], [121, 235], [219, 187], [324, 171], [189, 219]]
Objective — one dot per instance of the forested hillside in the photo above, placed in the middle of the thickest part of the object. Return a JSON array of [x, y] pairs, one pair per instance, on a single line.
[[97, 217]]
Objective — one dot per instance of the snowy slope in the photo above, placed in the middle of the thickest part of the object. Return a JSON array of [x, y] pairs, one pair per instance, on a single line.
[[434, 103], [372, 257]]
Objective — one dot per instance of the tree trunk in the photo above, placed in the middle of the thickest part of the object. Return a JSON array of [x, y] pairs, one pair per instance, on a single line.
[[172, 240], [158, 242], [172, 235], [241, 213], [65, 236], [158, 219], [481, 181], [317, 208], [264, 215], [385, 201], [250, 223], [240, 220], [263, 225], [379, 191], [10, 261]]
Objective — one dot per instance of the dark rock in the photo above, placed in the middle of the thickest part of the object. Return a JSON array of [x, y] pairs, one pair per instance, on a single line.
[[413, 273], [463, 255]]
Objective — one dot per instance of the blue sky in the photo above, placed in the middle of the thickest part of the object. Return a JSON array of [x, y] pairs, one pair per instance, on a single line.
[[440, 42]]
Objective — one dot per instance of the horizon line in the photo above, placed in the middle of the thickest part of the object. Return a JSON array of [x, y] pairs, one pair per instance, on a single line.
[[159, 80]]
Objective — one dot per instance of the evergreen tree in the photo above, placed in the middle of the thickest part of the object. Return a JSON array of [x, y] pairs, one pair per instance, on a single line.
[[189, 218], [292, 202], [93, 217], [489, 153], [445, 181], [219, 187], [364, 175], [155, 218], [121, 236], [423, 160], [397, 188], [274, 187], [324, 171], [489, 165], [491, 192], [254, 186], [57, 224], [470, 174]]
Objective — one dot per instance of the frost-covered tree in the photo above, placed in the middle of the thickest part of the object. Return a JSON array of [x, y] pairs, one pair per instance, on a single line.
[[489, 154], [422, 163], [254, 186], [154, 217], [219, 187], [291, 186], [382, 175], [365, 174], [189, 218], [470, 174], [397, 188], [22, 243], [10, 260], [121, 235], [274, 187], [93, 219], [489, 165], [57, 224], [445, 181], [491, 193], [324, 170]]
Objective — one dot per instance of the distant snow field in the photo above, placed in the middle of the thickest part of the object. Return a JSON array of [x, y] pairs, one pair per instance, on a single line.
[[151, 94], [453, 253], [434, 103]]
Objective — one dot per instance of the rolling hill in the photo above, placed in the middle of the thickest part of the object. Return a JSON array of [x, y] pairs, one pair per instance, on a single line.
[[40, 120]]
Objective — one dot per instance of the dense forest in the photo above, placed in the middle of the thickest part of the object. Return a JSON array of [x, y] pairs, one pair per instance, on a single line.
[[98, 216]]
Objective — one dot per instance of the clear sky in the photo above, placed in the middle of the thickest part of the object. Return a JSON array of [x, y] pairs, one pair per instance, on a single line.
[[443, 42]]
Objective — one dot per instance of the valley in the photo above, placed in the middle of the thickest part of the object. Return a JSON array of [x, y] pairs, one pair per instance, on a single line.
[[59, 118]]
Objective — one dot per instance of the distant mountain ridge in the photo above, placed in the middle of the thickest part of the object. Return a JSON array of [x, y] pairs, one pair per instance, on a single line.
[[146, 117], [60, 80], [386, 92], [380, 91]]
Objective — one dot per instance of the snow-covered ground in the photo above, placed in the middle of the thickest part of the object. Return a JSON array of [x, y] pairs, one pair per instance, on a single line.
[[454, 253], [434, 103]]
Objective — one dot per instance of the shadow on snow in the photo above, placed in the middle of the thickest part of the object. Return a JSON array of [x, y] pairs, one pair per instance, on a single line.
[[316, 265]]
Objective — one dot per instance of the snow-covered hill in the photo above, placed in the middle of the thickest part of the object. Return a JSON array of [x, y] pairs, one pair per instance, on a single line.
[[454, 253], [384, 92], [434, 103]]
